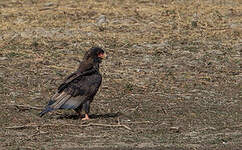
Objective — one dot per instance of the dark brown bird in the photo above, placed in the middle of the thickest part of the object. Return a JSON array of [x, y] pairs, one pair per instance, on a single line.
[[79, 88]]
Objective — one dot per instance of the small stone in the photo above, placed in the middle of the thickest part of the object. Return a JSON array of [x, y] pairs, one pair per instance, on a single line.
[[152, 24], [101, 20], [14, 94], [137, 70], [159, 45], [187, 97], [175, 129], [3, 58], [48, 4], [235, 26], [1, 74], [147, 58]]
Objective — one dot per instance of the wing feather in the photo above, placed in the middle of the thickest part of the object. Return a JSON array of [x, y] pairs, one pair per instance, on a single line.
[[60, 100], [73, 103], [83, 70]]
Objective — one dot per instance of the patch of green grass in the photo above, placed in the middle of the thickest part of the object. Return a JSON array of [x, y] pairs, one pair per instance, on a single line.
[[129, 87], [13, 54]]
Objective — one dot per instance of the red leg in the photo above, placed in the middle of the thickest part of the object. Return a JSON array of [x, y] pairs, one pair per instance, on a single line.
[[86, 117]]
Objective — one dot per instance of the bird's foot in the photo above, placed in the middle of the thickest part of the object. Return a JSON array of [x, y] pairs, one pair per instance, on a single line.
[[86, 117]]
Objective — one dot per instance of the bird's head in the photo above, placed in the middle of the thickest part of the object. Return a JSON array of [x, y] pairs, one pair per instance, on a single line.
[[95, 53]]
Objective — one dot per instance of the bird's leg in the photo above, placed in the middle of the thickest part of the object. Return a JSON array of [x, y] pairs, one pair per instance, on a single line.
[[86, 117], [78, 110], [79, 114], [86, 109]]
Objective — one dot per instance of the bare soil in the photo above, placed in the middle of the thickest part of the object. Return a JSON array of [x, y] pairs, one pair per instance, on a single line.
[[172, 79]]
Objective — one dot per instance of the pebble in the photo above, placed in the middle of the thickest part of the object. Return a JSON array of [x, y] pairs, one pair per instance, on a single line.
[[48, 4], [101, 20], [1, 74], [3, 58]]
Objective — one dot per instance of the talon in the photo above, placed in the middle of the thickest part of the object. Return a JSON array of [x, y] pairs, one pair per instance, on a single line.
[[86, 117]]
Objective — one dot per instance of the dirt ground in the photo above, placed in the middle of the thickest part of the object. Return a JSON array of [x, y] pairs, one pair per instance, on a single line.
[[172, 79]]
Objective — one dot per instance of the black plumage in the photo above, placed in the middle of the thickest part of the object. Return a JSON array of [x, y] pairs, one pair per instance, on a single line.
[[79, 88]]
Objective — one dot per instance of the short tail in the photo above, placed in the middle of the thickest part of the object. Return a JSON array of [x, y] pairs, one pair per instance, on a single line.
[[46, 110]]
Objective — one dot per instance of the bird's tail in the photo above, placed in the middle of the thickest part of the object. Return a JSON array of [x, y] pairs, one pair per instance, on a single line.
[[46, 110]]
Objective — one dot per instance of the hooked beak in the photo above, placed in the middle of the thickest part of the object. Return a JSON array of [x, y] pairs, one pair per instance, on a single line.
[[102, 55]]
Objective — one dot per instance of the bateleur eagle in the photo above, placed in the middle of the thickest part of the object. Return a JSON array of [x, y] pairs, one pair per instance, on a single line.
[[79, 88]]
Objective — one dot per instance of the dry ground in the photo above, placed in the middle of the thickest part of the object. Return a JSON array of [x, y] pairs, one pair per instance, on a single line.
[[172, 79]]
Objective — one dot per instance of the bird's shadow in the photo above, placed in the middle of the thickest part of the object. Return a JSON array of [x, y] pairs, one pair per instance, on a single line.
[[92, 116]]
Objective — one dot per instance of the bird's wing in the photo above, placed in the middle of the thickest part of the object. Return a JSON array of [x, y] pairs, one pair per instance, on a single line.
[[85, 89], [59, 99], [83, 70], [65, 101]]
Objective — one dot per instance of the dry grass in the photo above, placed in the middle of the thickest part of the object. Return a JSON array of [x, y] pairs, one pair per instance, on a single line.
[[173, 75]]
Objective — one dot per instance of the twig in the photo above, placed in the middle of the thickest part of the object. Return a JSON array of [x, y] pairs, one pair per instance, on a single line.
[[26, 106], [48, 125], [109, 125], [29, 126], [164, 110], [38, 133], [48, 8], [78, 136], [141, 122]]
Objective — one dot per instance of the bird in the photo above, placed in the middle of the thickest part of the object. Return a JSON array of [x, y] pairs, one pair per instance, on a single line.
[[79, 88]]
